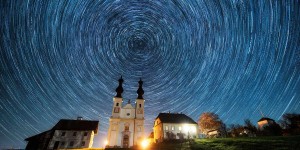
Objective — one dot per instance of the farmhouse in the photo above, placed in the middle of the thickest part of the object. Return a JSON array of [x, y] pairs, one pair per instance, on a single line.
[[170, 126], [65, 134]]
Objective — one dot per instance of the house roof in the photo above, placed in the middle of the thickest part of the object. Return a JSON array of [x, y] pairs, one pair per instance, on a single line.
[[265, 118], [38, 136], [175, 118], [65, 124]]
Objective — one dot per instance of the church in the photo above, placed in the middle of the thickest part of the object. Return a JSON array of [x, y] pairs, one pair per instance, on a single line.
[[126, 124]]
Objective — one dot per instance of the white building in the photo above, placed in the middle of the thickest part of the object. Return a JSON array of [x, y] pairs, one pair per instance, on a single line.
[[126, 124], [68, 134], [172, 126], [263, 122]]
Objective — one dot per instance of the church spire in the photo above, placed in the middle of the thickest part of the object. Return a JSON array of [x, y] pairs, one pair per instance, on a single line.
[[119, 89], [140, 91]]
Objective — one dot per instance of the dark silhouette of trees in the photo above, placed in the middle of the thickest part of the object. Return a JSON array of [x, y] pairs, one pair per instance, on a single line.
[[291, 123], [251, 127], [272, 129], [246, 130], [235, 130]]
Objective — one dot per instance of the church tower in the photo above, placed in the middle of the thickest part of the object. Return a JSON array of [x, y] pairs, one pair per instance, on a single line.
[[118, 100], [139, 114], [126, 124]]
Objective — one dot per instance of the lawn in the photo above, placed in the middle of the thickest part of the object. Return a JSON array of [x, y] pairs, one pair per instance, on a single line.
[[254, 143], [246, 143]]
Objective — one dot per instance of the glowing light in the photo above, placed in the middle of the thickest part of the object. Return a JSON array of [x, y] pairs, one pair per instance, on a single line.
[[105, 142], [185, 128], [193, 129], [145, 143]]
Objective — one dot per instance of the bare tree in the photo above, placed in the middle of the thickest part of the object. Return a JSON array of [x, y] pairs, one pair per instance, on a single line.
[[250, 126]]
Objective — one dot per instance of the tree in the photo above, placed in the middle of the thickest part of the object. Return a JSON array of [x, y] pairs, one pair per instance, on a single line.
[[235, 130], [272, 129], [291, 123], [251, 127], [209, 121]]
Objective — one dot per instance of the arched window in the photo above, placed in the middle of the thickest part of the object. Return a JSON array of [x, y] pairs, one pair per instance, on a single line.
[[140, 105], [126, 128], [117, 104]]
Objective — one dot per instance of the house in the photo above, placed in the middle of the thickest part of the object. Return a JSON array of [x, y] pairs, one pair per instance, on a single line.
[[65, 134], [213, 133], [171, 126], [264, 121], [126, 124]]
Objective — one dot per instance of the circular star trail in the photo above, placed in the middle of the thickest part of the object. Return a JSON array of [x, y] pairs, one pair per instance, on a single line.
[[62, 59]]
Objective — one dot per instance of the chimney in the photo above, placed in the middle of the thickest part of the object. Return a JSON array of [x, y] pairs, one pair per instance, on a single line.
[[79, 118]]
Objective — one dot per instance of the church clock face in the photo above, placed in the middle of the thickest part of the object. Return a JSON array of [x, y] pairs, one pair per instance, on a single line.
[[139, 111]]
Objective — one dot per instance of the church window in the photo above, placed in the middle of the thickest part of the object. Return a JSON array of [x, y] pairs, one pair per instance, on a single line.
[[117, 104], [85, 134], [172, 128], [116, 110], [82, 143], [63, 133], [167, 127], [126, 128], [74, 133], [140, 105], [62, 143], [71, 143]]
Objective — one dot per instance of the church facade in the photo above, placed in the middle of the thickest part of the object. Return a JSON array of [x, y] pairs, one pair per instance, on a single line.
[[126, 124]]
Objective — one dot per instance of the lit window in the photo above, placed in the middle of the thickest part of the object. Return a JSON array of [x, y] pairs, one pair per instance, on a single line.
[[172, 128], [179, 128], [82, 143], [85, 134], [74, 133], [63, 133], [71, 143], [167, 127]]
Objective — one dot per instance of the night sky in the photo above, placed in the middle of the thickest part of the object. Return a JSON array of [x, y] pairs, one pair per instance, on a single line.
[[62, 59]]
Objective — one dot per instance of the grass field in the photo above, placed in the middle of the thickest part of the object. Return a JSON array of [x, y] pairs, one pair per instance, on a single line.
[[255, 143], [246, 143]]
